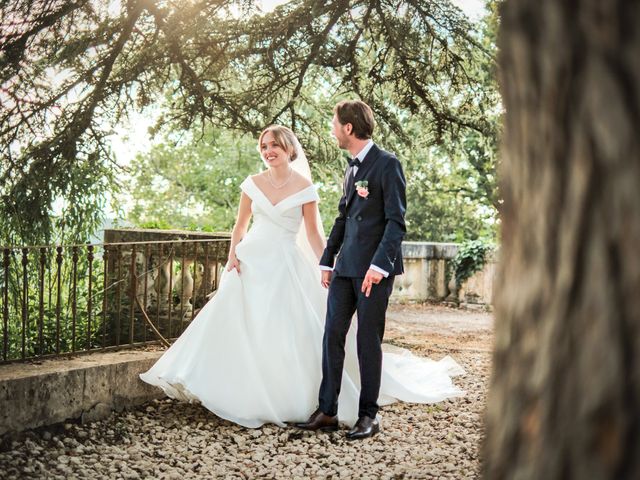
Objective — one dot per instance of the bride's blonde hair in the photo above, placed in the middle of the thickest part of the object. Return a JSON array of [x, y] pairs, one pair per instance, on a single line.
[[284, 136]]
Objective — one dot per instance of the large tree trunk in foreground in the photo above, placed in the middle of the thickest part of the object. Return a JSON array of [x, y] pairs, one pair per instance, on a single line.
[[564, 400]]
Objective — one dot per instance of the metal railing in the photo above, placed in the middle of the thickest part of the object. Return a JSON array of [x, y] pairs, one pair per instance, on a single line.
[[61, 300]]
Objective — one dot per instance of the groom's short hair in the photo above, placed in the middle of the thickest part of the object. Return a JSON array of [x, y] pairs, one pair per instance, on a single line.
[[358, 114]]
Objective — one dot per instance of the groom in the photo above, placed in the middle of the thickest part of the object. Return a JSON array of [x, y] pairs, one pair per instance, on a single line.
[[362, 257]]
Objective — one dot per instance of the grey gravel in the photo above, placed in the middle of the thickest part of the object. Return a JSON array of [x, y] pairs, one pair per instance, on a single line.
[[166, 439]]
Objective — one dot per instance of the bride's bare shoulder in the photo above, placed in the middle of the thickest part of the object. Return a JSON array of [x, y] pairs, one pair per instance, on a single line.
[[301, 181], [258, 178]]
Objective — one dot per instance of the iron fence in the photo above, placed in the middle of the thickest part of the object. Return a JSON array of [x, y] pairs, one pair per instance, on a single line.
[[61, 300]]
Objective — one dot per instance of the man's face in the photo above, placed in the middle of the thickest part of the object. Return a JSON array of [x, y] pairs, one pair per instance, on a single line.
[[340, 132]]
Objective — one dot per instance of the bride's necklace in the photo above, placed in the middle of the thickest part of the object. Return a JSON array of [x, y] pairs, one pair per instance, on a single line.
[[281, 185]]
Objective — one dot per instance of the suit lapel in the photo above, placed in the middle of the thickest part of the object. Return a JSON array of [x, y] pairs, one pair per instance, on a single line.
[[367, 164]]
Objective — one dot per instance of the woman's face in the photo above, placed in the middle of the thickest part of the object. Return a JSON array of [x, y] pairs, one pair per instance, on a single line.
[[272, 152]]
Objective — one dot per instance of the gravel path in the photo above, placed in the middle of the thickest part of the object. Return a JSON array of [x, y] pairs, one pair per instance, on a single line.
[[168, 439]]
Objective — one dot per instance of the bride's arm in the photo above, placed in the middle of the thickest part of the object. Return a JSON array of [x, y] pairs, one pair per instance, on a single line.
[[312, 224], [239, 230]]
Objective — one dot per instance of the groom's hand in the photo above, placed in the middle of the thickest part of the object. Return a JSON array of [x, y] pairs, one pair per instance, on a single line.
[[372, 277], [325, 278]]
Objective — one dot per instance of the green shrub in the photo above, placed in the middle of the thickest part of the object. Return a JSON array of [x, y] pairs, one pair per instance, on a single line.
[[470, 259]]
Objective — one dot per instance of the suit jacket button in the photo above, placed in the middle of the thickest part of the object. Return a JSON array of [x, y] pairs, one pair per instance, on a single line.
[[348, 217], [359, 217]]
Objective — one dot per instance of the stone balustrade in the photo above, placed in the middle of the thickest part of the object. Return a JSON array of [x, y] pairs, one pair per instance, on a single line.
[[172, 272], [428, 274]]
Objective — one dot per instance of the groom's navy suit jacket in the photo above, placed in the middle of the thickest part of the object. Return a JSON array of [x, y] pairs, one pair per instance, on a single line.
[[369, 231]]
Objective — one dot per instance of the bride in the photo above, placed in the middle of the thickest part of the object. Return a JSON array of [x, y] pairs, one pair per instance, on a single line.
[[253, 353]]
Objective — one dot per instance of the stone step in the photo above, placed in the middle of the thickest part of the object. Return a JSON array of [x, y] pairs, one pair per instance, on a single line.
[[85, 387]]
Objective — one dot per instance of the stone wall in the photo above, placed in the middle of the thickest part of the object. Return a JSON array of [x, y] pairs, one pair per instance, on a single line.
[[429, 277]]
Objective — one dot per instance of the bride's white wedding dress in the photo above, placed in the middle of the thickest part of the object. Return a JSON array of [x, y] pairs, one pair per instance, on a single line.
[[253, 353]]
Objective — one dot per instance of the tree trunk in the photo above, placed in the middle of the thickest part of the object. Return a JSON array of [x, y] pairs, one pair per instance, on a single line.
[[564, 400]]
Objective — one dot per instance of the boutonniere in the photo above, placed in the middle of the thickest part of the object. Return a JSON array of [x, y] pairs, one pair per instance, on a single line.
[[362, 187]]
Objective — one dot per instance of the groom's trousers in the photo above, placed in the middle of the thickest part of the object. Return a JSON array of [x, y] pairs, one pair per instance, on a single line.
[[345, 298]]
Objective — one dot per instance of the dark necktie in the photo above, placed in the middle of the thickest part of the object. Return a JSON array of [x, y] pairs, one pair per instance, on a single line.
[[353, 162]]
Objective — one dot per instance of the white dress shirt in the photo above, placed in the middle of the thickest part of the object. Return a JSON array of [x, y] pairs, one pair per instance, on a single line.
[[361, 156]]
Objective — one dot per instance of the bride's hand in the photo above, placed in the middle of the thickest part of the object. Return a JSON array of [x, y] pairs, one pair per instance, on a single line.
[[233, 263]]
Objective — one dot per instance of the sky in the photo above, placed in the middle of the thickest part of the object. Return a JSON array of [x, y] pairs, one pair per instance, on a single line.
[[474, 9]]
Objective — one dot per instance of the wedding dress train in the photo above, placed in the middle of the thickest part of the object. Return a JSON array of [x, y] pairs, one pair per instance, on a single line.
[[253, 353]]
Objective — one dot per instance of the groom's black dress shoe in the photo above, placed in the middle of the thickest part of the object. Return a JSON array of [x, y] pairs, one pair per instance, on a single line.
[[319, 421], [365, 427]]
